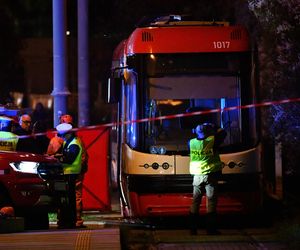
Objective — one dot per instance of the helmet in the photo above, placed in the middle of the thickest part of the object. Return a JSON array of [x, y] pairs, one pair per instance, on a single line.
[[63, 128], [66, 119], [204, 130], [7, 211]]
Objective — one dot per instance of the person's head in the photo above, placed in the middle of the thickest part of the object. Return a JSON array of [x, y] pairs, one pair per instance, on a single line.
[[64, 130], [5, 124], [25, 122], [204, 130], [66, 119]]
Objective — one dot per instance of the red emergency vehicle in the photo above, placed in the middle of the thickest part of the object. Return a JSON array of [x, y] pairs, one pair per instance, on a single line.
[[30, 183]]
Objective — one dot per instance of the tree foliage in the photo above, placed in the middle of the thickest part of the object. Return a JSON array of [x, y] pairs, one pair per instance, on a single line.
[[279, 50]]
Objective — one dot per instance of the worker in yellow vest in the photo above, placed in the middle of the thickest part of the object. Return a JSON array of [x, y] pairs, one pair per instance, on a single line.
[[8, 140], [55, 147], [206, 167], [72, 162]]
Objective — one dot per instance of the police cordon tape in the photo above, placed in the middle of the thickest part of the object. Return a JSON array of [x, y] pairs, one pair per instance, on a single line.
[[203, 112], [196, 113]]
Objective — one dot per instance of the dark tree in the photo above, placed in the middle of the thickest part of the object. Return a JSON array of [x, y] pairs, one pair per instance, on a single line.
[[279, 47]]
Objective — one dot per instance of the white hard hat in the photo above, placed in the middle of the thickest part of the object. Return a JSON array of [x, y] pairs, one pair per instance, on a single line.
[[63, 128]]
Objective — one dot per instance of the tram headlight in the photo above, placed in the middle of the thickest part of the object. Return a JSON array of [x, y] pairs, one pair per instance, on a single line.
[[240, 164], [231, 164], [165, 165], [146, 165], [155, 165]]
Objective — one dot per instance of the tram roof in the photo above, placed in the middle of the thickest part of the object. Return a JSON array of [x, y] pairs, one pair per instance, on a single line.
[[187, 38]]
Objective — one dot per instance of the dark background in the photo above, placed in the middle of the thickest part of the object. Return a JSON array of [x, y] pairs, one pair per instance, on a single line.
[[26, 39]]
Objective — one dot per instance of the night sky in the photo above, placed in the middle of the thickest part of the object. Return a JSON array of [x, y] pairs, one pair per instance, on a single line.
[[109, 23]]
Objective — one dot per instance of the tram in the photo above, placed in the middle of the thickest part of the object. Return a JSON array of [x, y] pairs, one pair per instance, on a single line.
[[168, 76]]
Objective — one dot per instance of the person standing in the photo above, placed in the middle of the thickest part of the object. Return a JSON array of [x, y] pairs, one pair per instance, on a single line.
[[56, 142], [8, 140], [72, 162], [205, 166], [24, 127], [26, 141], [55, 147], [66, 118]]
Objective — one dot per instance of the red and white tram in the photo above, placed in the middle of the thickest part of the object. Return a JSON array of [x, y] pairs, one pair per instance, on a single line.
[[171, 66]]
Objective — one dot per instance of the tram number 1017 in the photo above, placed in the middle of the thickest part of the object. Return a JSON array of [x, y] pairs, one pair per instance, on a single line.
[[221, 44]]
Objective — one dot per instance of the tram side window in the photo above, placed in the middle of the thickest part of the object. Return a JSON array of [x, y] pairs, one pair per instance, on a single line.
[[131, 112]]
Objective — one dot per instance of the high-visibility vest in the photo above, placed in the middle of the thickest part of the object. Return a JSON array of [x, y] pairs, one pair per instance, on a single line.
[[75, 167], [8, 141], [203, 159], [84, 156]]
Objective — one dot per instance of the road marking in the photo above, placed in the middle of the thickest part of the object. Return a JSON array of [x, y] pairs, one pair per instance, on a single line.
[[83, 240]]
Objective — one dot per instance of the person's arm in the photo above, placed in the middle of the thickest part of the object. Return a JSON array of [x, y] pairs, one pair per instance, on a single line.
[[220, 136], [55, 146]]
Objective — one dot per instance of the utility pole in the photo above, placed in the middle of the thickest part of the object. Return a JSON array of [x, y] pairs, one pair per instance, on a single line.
[[83, 63], [60, 86]]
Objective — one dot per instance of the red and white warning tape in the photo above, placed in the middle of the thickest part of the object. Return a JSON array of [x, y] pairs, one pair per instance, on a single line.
[[248, 106]]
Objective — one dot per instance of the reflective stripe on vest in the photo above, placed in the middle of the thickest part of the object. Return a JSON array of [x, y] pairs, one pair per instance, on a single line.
[[8, 141], [203, 160], [75, 167]]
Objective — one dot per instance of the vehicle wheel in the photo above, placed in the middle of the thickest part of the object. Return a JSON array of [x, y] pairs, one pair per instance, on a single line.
[[36, 220]]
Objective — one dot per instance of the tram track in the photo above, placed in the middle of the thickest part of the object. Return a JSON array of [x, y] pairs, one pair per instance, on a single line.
[[181, 239], [146, 236]]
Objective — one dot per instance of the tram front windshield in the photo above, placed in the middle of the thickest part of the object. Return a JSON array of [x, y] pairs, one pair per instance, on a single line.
[[181, 85]]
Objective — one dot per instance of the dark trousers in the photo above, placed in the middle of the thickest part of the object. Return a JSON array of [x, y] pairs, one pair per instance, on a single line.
[[205, 185], [66, 215]]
